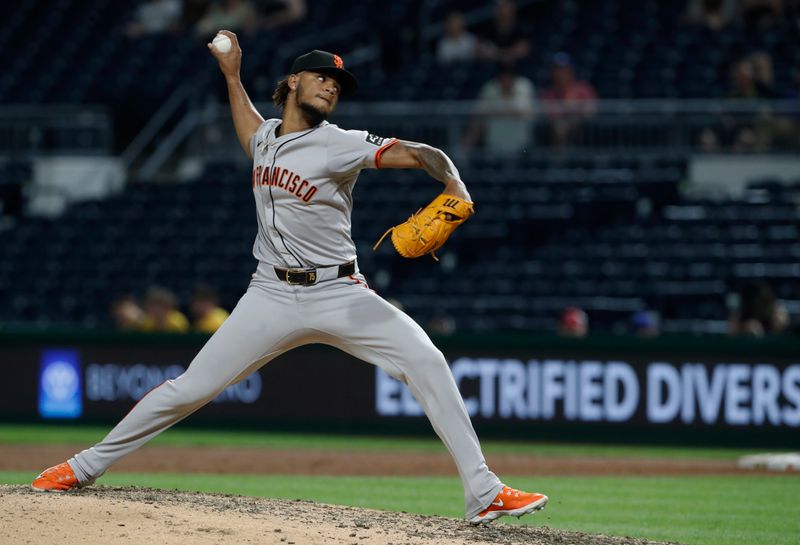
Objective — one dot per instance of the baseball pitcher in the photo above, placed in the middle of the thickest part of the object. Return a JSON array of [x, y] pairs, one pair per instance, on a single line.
[[308, 288]]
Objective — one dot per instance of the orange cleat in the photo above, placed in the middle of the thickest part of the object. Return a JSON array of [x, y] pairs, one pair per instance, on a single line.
[[58, 478], [511, 502]]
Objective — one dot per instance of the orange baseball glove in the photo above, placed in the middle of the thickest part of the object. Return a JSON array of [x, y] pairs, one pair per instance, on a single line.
[[428, 229]]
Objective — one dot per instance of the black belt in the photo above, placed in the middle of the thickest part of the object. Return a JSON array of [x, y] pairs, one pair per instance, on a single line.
[[307, 277]]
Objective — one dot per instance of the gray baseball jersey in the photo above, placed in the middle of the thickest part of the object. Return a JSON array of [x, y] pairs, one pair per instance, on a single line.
[[303, 185]]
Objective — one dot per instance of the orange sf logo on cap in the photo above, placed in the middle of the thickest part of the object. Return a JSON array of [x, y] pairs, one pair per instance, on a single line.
[[337, 60]]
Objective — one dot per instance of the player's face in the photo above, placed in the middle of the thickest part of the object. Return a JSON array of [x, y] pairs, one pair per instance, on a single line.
[[318, 91]]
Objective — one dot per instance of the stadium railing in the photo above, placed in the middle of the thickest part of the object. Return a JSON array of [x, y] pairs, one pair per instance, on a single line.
[[54, 130], [614, 126]]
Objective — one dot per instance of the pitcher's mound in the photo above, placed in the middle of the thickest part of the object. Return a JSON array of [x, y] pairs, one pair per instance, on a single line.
[[127, 516]]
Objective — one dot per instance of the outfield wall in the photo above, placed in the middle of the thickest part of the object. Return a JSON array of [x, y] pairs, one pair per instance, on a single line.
[[668, 390]]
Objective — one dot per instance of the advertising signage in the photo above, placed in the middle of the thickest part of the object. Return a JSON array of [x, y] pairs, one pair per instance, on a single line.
[[100, 382], [641, 392], [533, 390]]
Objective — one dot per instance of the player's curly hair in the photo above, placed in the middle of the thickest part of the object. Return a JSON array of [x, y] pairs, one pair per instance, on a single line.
[[281, 92]]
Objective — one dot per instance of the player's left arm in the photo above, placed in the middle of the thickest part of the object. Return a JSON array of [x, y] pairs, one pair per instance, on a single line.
[[435, 162]]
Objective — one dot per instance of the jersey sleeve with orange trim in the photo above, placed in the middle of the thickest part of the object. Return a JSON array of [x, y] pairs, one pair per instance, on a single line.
[[354, 150]]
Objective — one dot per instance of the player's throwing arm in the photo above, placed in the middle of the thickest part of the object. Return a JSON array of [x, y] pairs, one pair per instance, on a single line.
[[246, 118]]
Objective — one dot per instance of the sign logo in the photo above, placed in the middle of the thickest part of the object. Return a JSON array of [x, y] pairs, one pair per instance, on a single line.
[[337, 60], [373, 139], [60, 392]]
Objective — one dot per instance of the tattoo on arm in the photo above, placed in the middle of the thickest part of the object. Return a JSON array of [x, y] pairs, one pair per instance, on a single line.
[[435, 162]]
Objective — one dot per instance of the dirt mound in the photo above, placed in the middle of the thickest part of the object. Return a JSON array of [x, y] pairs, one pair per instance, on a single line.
[[127, 516]]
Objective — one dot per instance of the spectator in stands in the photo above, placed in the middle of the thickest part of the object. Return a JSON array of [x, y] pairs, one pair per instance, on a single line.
[[128, 315], [205, 309], [234, 15], [708, 141], [161, 312], [457, 44], [568, 101], [773, 130], [757, 312], [712, 14], [155, 16], [504, 113], [506, 40], [574, 323], [751, 78], [646, 323]]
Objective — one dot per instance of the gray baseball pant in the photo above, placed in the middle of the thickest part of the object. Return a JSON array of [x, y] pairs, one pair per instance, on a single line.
[[274, 317]]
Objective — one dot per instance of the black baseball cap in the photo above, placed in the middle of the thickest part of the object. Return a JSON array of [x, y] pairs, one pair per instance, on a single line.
[[326, 63]]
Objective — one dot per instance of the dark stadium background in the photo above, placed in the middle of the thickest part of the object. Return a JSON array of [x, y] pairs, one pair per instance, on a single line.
[[669, 209], [617, 221]]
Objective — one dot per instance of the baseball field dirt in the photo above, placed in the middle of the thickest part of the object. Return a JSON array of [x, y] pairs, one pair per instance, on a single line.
[[26, 457], [107, 514], [128, 516]]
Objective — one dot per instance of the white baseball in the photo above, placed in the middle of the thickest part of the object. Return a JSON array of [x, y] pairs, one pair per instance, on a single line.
[[222, 43]]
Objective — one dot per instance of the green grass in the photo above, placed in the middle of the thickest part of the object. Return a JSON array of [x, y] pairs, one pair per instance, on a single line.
[[735, 510], [698, 510], [188, 437]]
